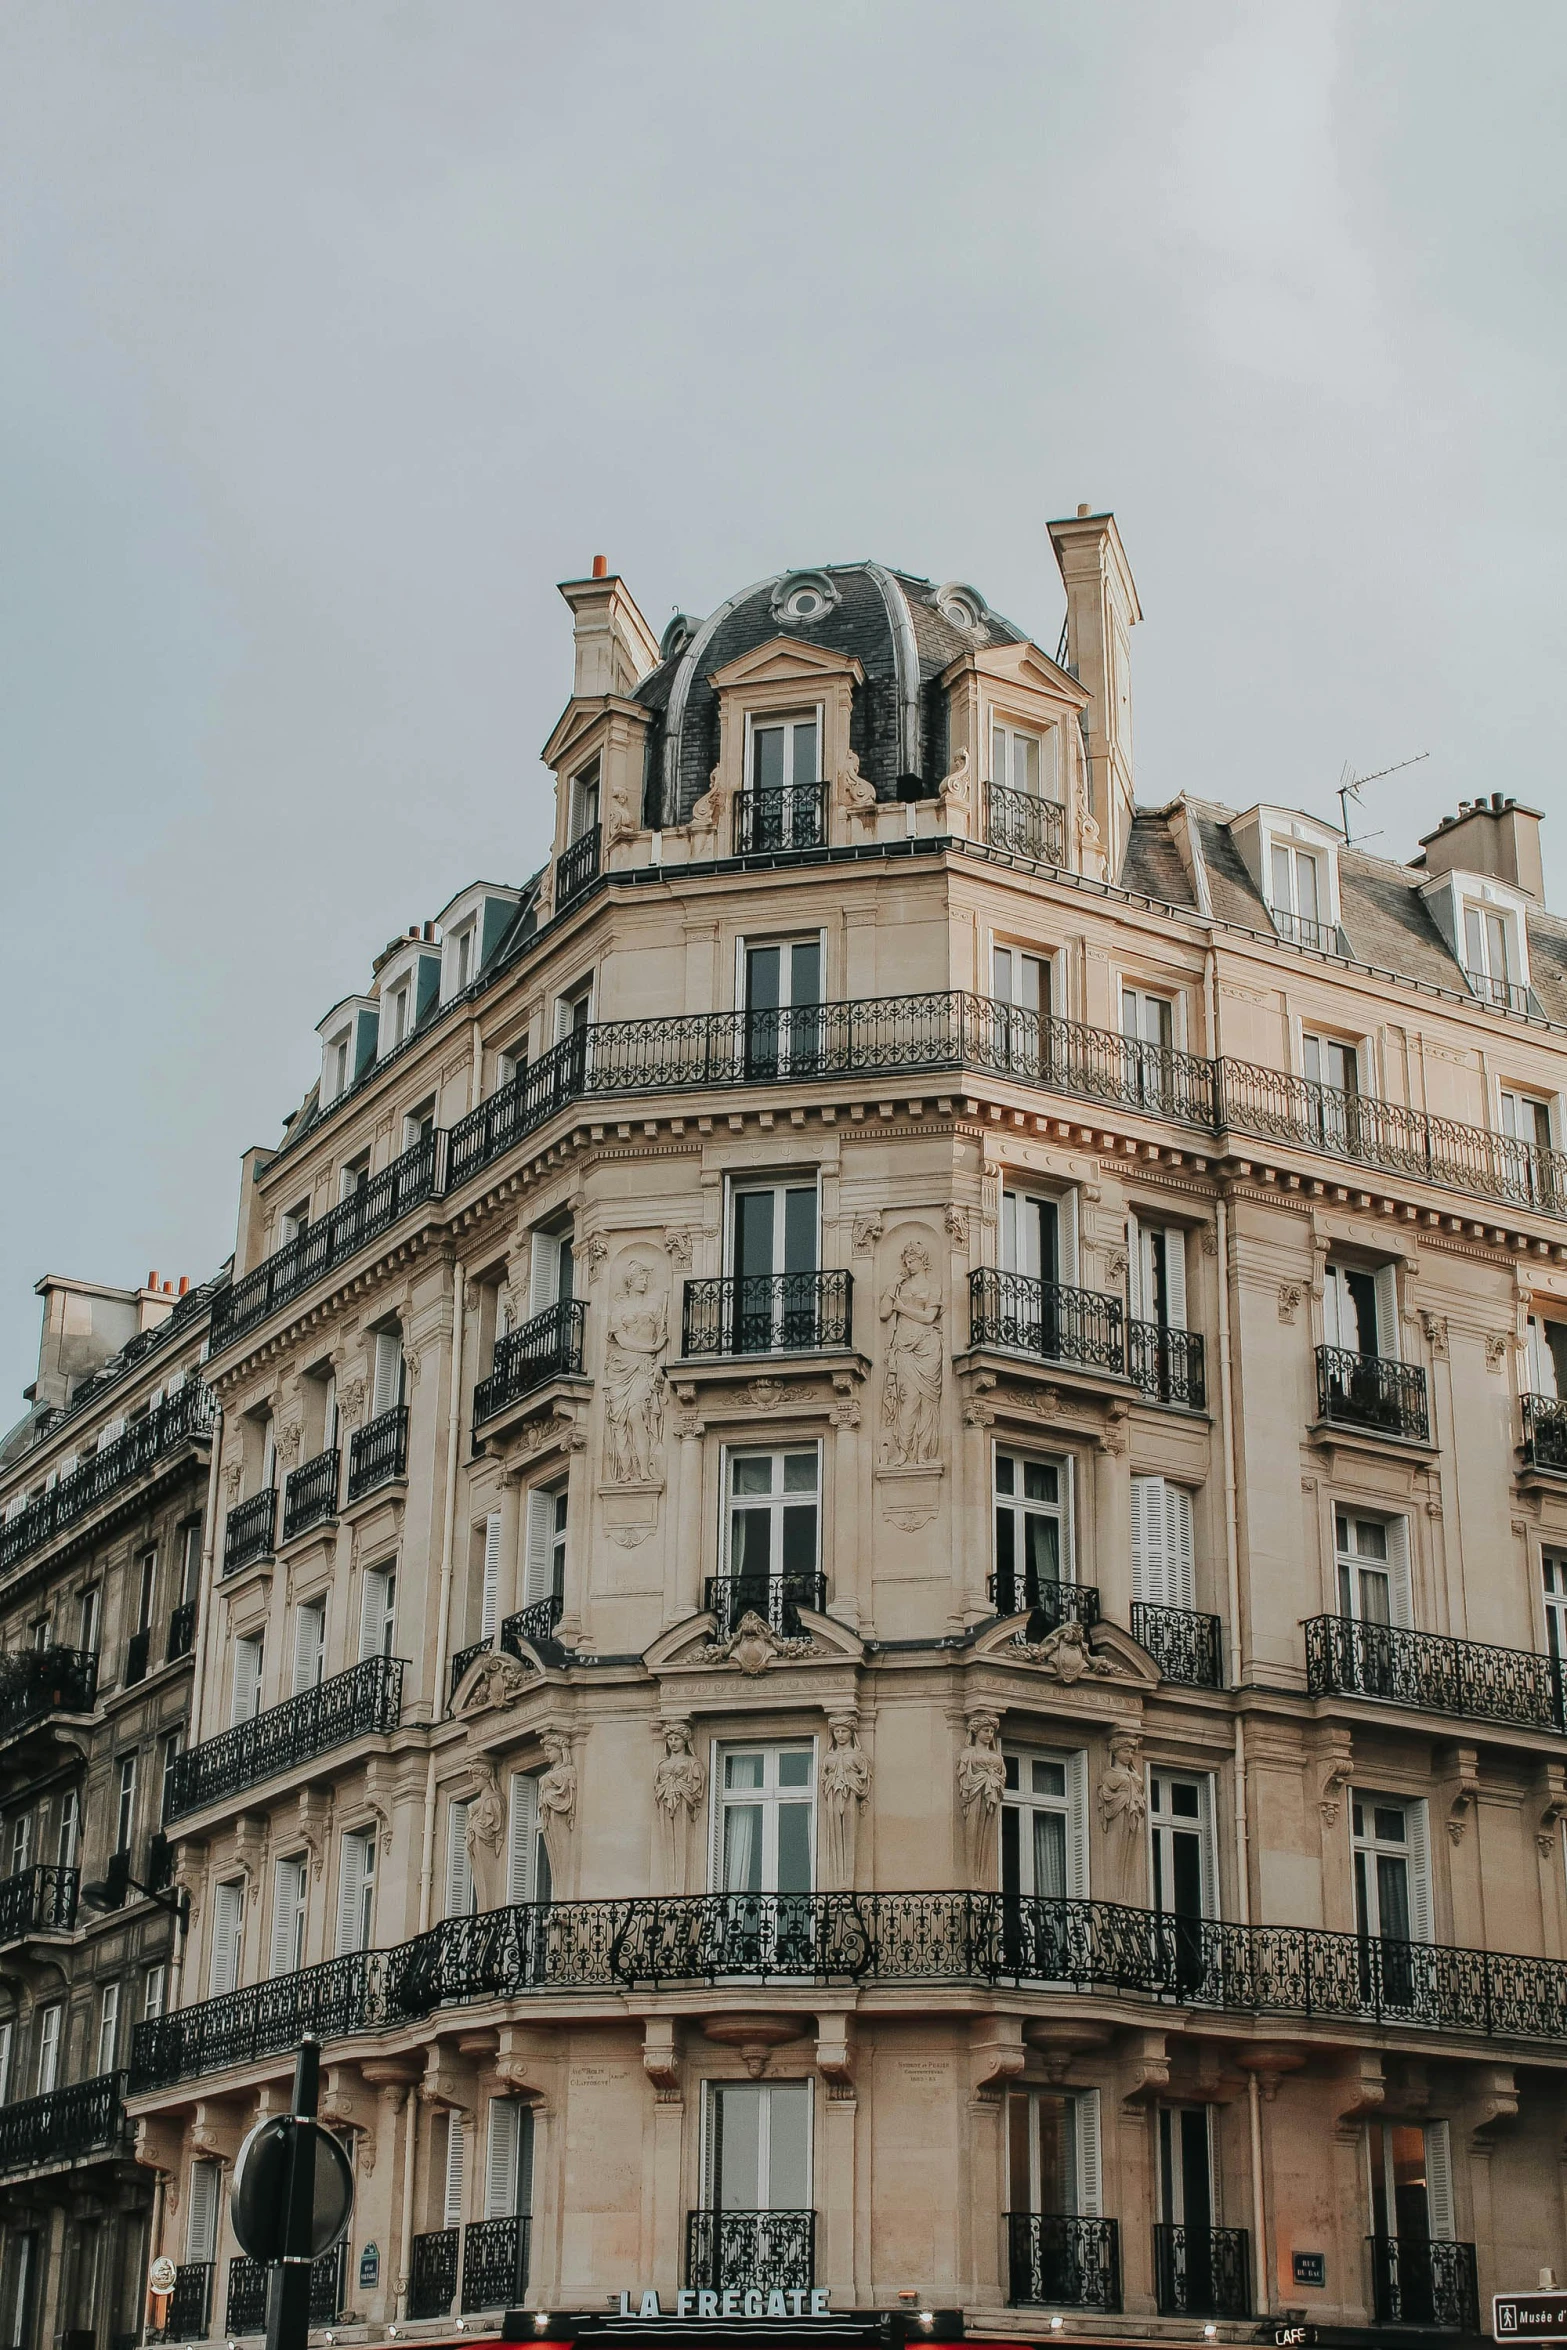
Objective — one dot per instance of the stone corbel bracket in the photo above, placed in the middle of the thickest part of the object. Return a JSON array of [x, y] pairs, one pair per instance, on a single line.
[[1144, 2072], [661, 2057], [1359, 2096], [997, 2053], [1491, 2106], [835, 2054]]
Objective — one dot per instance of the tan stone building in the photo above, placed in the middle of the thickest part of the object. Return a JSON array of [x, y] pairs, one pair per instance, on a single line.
[[893, 1529]]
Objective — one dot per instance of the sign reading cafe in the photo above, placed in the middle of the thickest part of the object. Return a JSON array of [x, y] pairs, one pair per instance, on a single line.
[[795, 2302]]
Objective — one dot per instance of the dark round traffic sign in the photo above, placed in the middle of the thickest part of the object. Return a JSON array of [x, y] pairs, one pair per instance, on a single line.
[[259, 2200]]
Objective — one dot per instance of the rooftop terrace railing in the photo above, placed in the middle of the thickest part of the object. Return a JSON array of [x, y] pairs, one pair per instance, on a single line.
[[648, 1943], [909, 1036], [176, 1421]]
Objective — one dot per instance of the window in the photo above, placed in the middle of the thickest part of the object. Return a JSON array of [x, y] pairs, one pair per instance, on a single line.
[[146, 1576], [1156, 1273], [353, 1176], [387, 1374], [418, 1125], [190, 1562], [1019, 980], [527, 1860], [544, 1568], [1163, 1559], [1033, 1534], [40, 1632], [337, 1066], [574, 1012], [1391, 1854], [508, 2169], [309, 1644], [1053, 2165], [758, 2151], [355, 1890], [124, 1802], [1360, 1310], [1297, 897], [201, 2216], [1039, 1235], [486, 1557], [774, 1257], [583, 802], [455, 2165], [782, 986], [784, 751], [1186, 2190], [1185, 1877], [461, 1897], [7, 2037], [1411, 2175], [293, 1223], [108, 2028], [1553, 1569], [228, 1915], [1147, 1019], [398, 1010], [1491, 960], [510, 1065], [1044, 1826], [550, 1268], [68, 1839], [1526, 1119], [378, 1612], [268, 1435], [21, 1843], [247, 1678], [463, 955], [1372, 1560], [773, 1530], [169, 1750], [289, 1879], [1023, 762], [764, 1828], [50, 2022], [1548, 1359], [155, 1984], [87, 1634]]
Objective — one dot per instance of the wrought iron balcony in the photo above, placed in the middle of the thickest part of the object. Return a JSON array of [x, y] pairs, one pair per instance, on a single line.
[[63, 2125], [1202, 2272], [39, 1900], [751, 2251], [576, 867], [246, 2311], [181, 1419], [182, 1631], [378, 1452], [250, 1530], [310, 1493], [189, 2307], [495, 2263], [1415, 2282], [367, 1698], [965, 1939], [1024, 825], [794, 816], [768, 1313], [1186, 1648], [1433, 1674], [1505, 992], [419, 1174], [1075, 1327], [35, 1682], [547, 1346], [1063, 2259], [463, 1659], [432, 2273], [777, 1599], [535, 1623], [1323, 936], [136, 1649], [1372, 1391], [1167, 1364], [1545, 1432], [1016, 1593]]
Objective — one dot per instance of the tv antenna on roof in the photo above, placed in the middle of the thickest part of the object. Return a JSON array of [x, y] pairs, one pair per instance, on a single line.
[[1350, 785]]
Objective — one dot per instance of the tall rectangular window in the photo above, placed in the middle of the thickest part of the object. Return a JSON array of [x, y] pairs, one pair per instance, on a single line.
[[68, 1839], [1033, 1532], [461, 1898], [1044, 1826], [544, 1566], [1015, 761], [583, 805], [765, 1827], [378, 1611], [355, 1890], [146, 1575], [1156, 1273], [784, 751], [108, 2028], [309, 1644], [124, 1802], [87, 1634], [228, 1914], [201, 2214], [168, 1754], [1180, 1824], [1392, 1867], [774, 1528], [154, 1992], [51, 2027], [527, 1860], [782, 980], [1371, 1557], [290, 1878], [1053, 2161], [758, 2151], [246, 1702], [508, 2169], [1163, 1561]]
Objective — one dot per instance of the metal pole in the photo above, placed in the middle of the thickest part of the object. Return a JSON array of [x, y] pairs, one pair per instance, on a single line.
[[288, 2283]]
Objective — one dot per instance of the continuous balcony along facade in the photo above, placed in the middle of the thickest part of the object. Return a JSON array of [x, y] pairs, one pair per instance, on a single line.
[[1187, 1648], [378, 1452], [1373, 1393], [367, 1698], [915, 1035], [37, 1682], [39, 1900], [1433, 1674], [310, 1493], [1063, 2260], [547, 1346], [180, 1419], [769, 1313], [1081, 1328], [63, 2125]]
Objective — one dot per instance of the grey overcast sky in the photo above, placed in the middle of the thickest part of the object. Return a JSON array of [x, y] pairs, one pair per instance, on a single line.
[[333, 337]]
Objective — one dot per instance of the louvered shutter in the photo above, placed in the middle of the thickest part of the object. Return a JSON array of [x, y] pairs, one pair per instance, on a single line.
[[459, 1870], [374, 1608], [538, 1571], [309, 1646], [6, 2030], [1068, 1472], [201, 2218], [1090, 2169], [1175, 1276], [521, 1866], [489, 1612], [1417, 1830], [1077, 1826], [247, 1678], [1180, 1577], [1139, 1288], [350, 1893], [1148, 1532], [501, 2176], [108, 1432], [1066, 1242], [456, 2152], [1208, 1846], [1009, 1233], [1439, 2182], [1542, 1370], [1399, 1581], [227, 1913], [543, 1272], [288, 1901], [387, 1390], [1387, 1313]]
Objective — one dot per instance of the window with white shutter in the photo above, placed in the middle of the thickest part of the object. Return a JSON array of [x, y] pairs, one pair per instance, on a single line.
[[1039, 1235], [1044, 1825], [508, 2173], [309, 1644], [456, 2152], [1156, 1273], [526, 1863], [7, 2035], [549, 1270], [108, 2028], [247, 1678], [228, 1910], [490, 1597], [460, 1899], [288, 1916], [50, 2022], [1090, 2169], [355, 1890], [201, 2214], [1163, 1556], [377, 1611], [544, 1569], [1439, 2181], [154, 1995], [387, 1387]]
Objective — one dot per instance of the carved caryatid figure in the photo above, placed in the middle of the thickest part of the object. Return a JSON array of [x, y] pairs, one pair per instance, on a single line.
[[911, 1377], [1122, 1795], [634, 1380], [557, 1793], [845, 1785], [678, 1785], [981, 1777]]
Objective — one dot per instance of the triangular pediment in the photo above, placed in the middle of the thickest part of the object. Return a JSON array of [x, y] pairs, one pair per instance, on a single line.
[[1021, 666], [1099, 1657], [785, 660], [753, 1647], [579, 718]]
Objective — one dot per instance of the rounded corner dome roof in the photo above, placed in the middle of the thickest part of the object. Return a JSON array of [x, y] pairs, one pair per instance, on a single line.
[[902, 629]]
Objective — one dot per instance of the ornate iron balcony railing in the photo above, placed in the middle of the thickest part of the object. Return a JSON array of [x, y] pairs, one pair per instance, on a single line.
[[1545, 1432], [39, 1900], [432, 2273], [1084, 1327], [180, 1419], [495, 2263], [1505, 992], [751, 2251], [39, 1681], [1371, 1391], [1202, 2272], [1186, 1648], [463, 1659], [793, 816], [367, 1698], [534, 1623], [1433, 1673], [1417, 2282], [547, 1346], [378, 1452], [1168, 1365], [768, 1313], [189, 2306], [136, 1649], [1015, 1592], [650, 1942], [246, 2311], [1021, 824], [777, 1599], [577, 866], [63, 2125], [1323, 936], [250, 1530], [1064, 2260], [310, 1493], [907, 1036], [182, 1631]]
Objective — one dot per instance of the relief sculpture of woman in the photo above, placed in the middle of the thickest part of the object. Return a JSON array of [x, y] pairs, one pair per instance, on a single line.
[[911, 1379], [634, 1380]]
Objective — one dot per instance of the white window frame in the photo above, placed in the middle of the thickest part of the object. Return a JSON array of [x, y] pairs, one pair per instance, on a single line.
[[125, 1778], [309, 1668], [1144, 1241], [1164, 1547], [1351, 1563], [1162, 1819], [227, 1936], [713, 2092], [1087, 2136], [378, 1609], [1029, 973], [770, 1798], [583, 990], [1046, 737], [584, 798], [155, 1991], [548, 1532], [1063, 1510], [356, 1858], [290, 1912], [1476, 911], [1065, 1202], [1140, 991], [51, 2039], [108, 2042], [1071, 1806], [774, 1503], [762, 721], [1415, 1851], [736, 1186]]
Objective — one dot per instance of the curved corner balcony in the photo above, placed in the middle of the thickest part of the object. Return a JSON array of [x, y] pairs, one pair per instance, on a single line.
[[547, 1346], [1081, 1329], [181, 1419], [369, 1697], [1373, 1394], [1432, 1674]]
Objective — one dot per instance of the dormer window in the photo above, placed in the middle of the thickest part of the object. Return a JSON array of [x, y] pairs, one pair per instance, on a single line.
[[582, 811], [1492, 964], [398, 1009], [337, 1061], [1297, 899], [462, 956], [784, 751], [1293, 861], [1023, 762]]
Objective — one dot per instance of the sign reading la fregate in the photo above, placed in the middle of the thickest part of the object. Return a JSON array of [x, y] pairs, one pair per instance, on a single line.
[[796, 2301]]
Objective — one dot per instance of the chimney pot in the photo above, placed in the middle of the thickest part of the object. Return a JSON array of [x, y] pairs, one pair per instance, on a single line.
[[429, 934], [1083, 510], [601, 566], [184, 1283], [152, 1281]]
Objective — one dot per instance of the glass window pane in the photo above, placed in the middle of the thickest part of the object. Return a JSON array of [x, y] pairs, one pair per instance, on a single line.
[[799, 1539], [1050, 1778], [804, 753], [751, 1544], [1042, 1548], [761, 978], [789, 2147], [1039, 1481], [800, 1231], [998, 755], [743, 1848], [799, 1472], [754, 1474], [794, 1770], [1025, 763], [767, 758], [753, 1233], [1279, 863], [1057, 2154], [805, 972], [742, 1770], [1050, 1855], [794, 1848], [1003, 1472], [1389, 1824], [1306, 886], [1393, 1897], [739, 2123]]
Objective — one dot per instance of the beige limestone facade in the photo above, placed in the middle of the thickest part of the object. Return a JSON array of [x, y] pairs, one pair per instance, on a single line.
[[890, 1516]]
